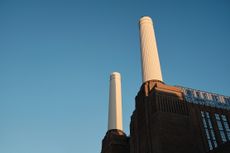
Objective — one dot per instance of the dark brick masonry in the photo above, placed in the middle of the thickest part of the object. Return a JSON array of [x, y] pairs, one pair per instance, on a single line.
[[115, 141], [163, 122]]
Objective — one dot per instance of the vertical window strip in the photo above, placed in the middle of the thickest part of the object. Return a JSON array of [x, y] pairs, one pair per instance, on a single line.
[[210, 123], [219, 124], [228, 135], [215, 143], [202, 114], [204, 123], [210, 144], [210, 135], [226, 126], [207, 114], [223, 117], [223, 136], [223, 127], [213, 135], [207, 133]]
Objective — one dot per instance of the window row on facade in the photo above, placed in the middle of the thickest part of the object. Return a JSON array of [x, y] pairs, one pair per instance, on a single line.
[[206, 98], [206, 95], [223, 128]]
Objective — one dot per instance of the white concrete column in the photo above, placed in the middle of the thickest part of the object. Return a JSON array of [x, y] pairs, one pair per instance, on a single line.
[[115, 102], [151, 69]]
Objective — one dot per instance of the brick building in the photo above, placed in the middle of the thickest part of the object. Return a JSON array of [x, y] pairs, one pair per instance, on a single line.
[[170, 119]]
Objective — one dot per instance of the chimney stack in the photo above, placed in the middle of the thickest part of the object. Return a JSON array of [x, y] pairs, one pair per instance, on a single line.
[[151, 69], [115, 102]]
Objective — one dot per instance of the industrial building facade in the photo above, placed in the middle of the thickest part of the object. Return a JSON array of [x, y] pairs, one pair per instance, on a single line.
[[165, 121], [168, 119]]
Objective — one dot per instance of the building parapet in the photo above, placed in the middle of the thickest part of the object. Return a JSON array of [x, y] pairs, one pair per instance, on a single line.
[[206, 98]]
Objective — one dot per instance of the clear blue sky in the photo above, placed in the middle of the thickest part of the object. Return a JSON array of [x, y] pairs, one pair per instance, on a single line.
[[56, 57]]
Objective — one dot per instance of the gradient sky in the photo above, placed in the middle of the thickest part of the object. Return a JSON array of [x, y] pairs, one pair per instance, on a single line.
[[56, 58]]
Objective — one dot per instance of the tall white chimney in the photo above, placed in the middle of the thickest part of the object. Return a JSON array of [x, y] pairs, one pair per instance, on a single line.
[[151, 69], [115, 102]]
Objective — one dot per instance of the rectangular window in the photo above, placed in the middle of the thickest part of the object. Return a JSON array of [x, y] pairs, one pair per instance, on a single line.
[[223, 117], [210, 144], [223, 127], [223, 136], [212, 134], [189, 93], [207, 115], [215, 143], [219, 124], [209, 123], [227, 100], [207, 133], [217, 116], [204, 123], [208, 128], [205, 96], [198, 94], [202, 114], [226, 126], [228, 135], [215, 98]]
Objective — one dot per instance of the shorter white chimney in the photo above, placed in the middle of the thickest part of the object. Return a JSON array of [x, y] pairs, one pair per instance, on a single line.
[[115, 102]]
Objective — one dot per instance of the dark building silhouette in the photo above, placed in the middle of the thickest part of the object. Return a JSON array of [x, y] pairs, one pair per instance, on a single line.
[[171, 119], [164, 121]]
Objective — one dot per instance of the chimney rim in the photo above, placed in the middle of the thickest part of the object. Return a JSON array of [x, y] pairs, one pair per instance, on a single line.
[[114, 75], [145, 19]]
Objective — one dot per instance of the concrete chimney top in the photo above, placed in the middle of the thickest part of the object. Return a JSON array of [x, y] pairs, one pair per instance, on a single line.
[[145, 19], [115, 75]]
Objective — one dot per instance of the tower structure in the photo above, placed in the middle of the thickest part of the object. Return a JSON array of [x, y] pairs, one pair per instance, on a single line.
[[115, 102], [167, 118], [151, 69], [115, 140], [160, 122]]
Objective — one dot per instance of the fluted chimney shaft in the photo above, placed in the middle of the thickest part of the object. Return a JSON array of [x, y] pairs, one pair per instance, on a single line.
[[115, 102], [151, 69]]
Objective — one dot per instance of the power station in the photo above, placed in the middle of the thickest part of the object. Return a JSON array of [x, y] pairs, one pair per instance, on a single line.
[[166, 119]]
